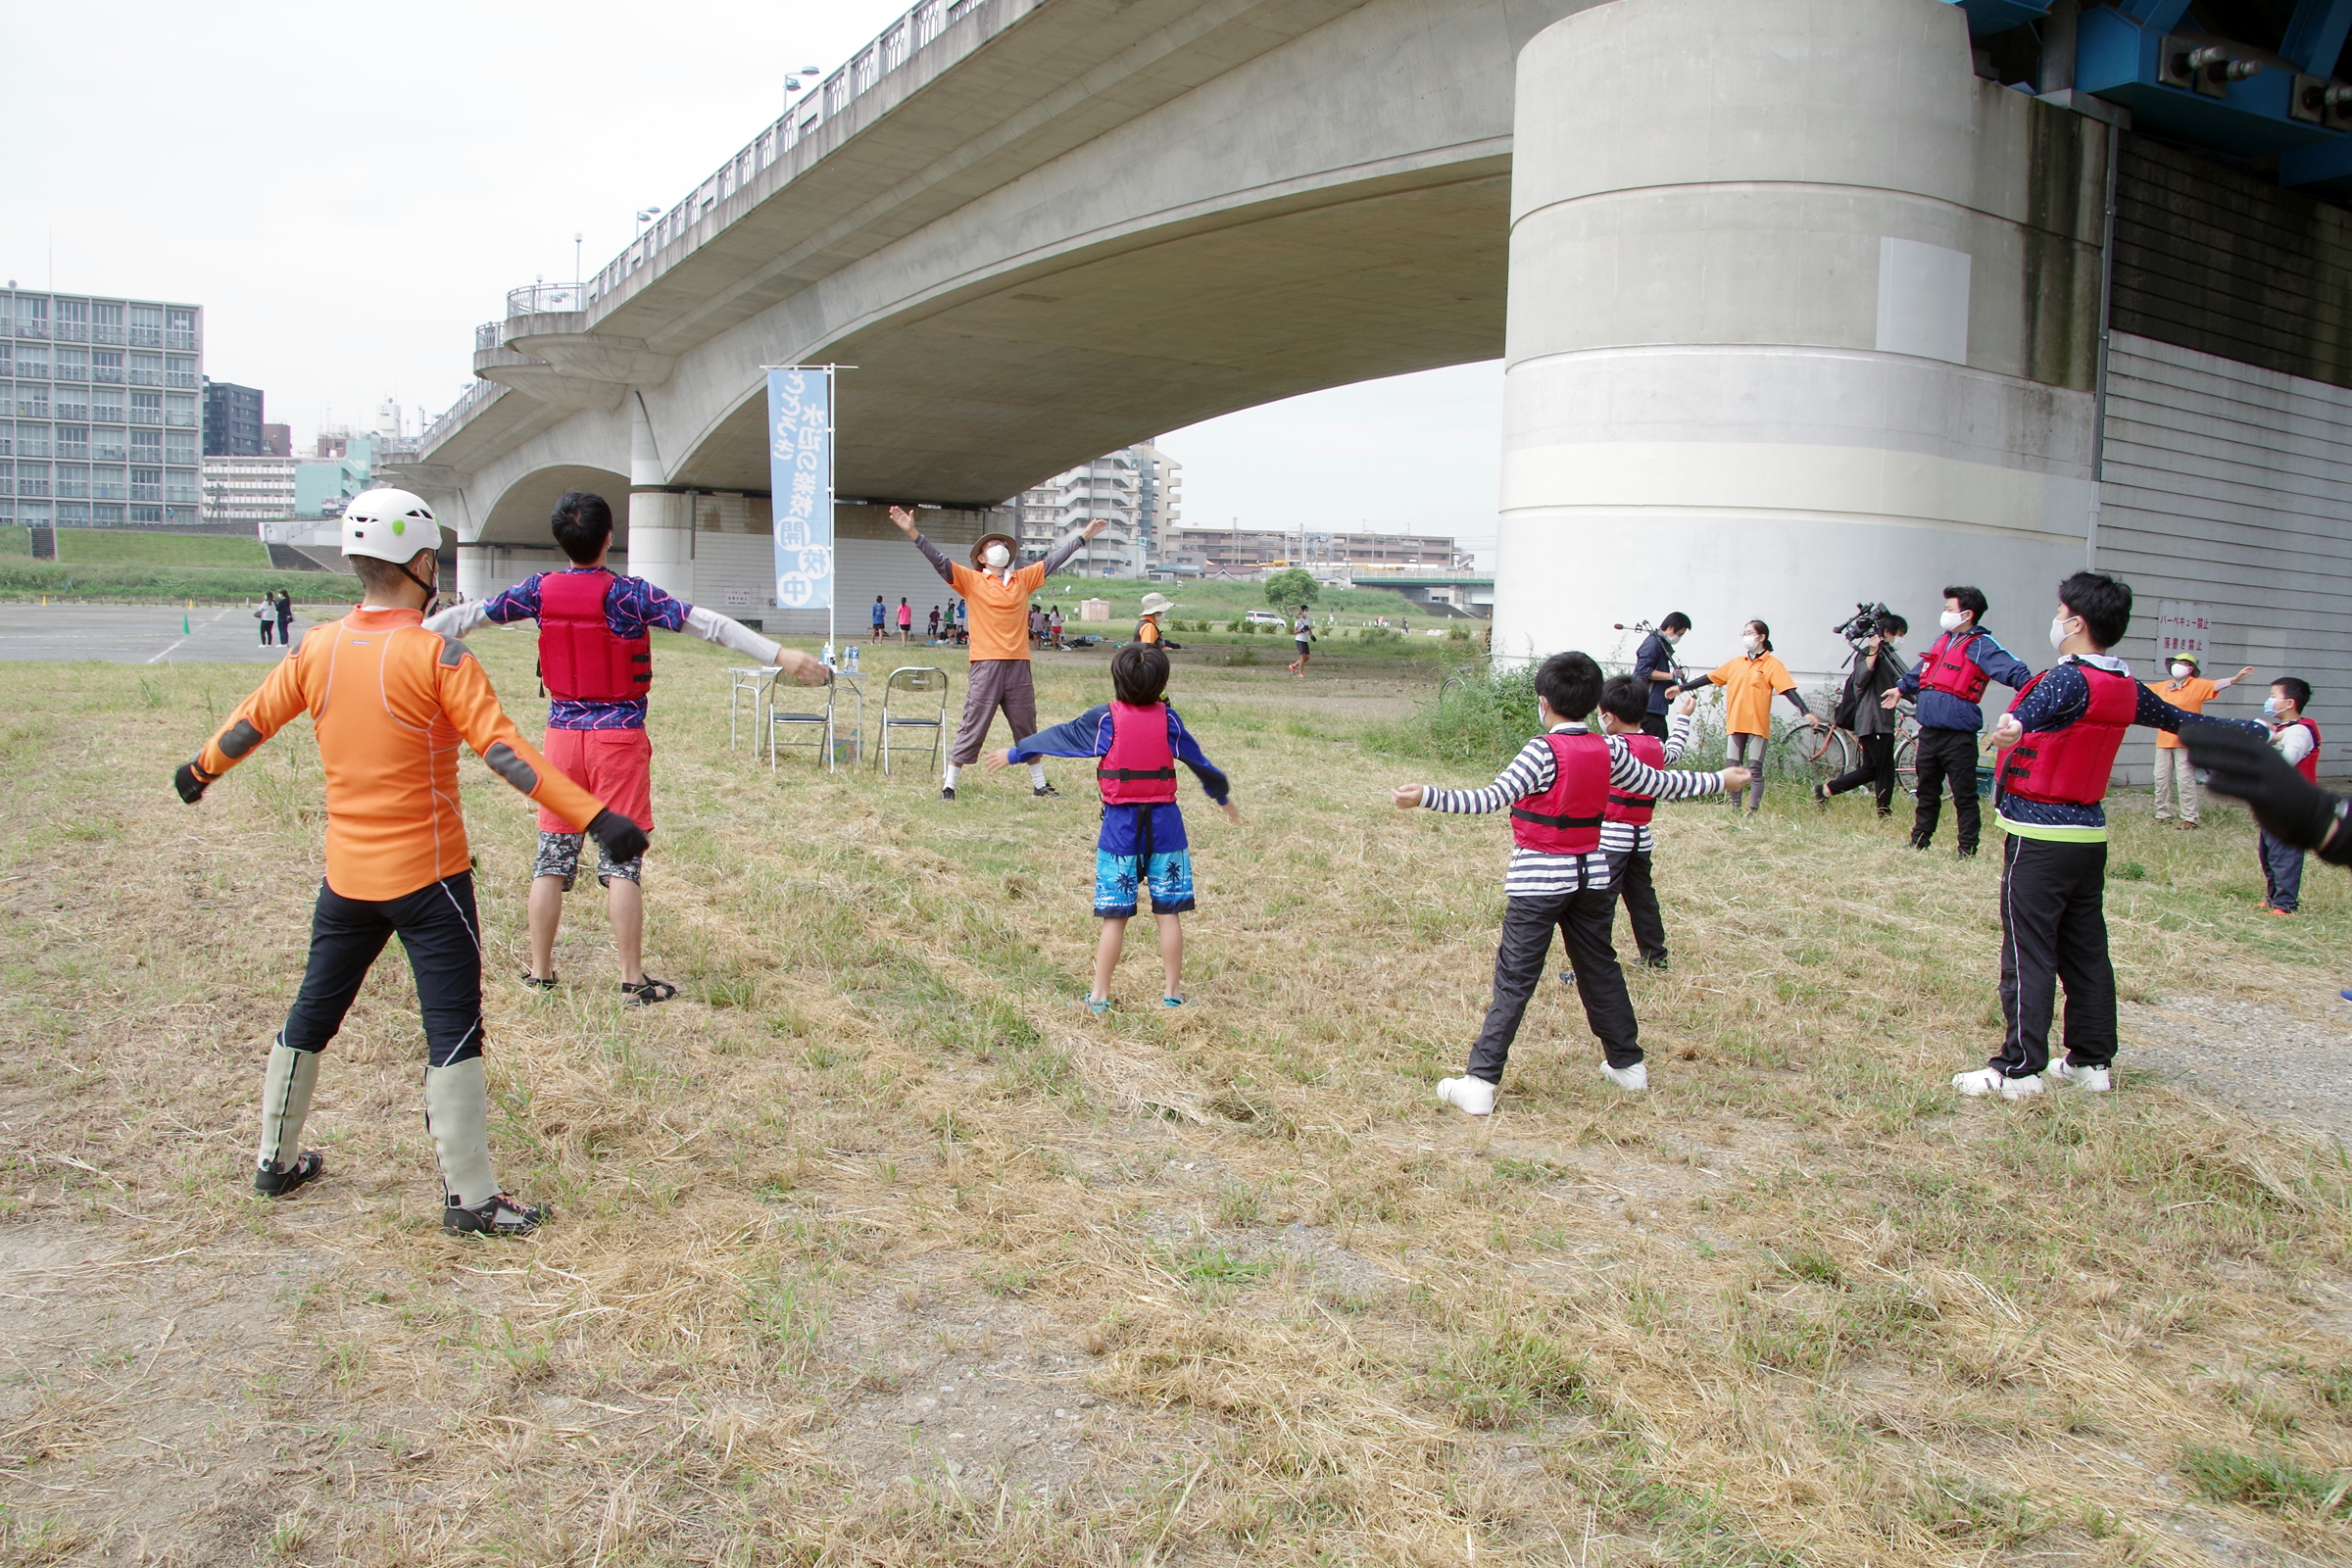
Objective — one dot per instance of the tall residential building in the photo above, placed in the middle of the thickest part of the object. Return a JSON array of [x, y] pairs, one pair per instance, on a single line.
[[1132, 488], [1158, 487], [98, 409], [232, 421]]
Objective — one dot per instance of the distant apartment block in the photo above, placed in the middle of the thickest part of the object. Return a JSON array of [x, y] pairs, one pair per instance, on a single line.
[[98, 409], [1249, 552], [1134, 489], [232, 421]]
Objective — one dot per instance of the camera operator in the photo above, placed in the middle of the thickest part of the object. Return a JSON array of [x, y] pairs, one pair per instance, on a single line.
[[1654, 666], [1878, 668]]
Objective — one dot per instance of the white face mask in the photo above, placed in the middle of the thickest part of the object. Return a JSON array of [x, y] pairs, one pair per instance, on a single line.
[[2058, 631], [1751, 642], [1952, 619], [2184, 671], [995, 555], [2271, 707]]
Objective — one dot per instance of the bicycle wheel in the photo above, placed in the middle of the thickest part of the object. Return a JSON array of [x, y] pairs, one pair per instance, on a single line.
[[1809, 757], [1906, 765]]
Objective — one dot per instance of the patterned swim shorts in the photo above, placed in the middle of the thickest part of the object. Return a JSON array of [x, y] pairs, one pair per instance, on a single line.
[[1116, 879], [560, 856]]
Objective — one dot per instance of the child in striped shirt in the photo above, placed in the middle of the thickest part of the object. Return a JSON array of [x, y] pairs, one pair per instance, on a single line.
[[1557, 790], [1625, 835]]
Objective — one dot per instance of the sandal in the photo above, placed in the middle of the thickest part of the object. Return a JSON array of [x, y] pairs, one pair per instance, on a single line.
[[648, 991], [1094, 1005], [537, 984], [275, 1183]]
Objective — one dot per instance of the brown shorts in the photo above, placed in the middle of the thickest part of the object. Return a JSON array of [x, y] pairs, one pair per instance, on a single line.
[[994, 683]]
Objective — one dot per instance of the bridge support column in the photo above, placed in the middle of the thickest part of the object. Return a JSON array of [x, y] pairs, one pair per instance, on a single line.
[[473, 572], [1801, 313], [662, 540]]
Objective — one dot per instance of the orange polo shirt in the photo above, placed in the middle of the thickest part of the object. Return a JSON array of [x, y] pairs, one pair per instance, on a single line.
[[2192, 694], [390, 701], [1749, 685], [999, 608]]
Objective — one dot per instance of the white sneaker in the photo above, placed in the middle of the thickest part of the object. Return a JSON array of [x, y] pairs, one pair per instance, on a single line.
[[2090, 1080], [1632, 1080], [1472, 1097], [1993, 1081]]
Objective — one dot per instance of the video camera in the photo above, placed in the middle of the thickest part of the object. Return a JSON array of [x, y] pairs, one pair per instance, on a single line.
[[1862, 626]]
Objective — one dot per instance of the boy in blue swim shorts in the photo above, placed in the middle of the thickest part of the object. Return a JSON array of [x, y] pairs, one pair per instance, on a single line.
[[1137, 740]]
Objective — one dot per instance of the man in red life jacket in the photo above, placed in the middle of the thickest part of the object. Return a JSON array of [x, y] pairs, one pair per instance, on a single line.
[[597, 665], [1557, 791], [1624, 831], [1949, 685], [2296, 739], [2058, 743], [1139, 739]]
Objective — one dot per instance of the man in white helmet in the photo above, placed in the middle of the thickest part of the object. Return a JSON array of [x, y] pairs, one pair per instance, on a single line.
[[389, 702], [998, 596]]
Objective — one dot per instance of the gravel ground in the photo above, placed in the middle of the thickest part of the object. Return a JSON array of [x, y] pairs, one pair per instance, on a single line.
[[2291, 1060]]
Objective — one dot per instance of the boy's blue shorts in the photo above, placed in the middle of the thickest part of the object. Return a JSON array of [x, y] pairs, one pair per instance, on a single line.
[[1116, 878]]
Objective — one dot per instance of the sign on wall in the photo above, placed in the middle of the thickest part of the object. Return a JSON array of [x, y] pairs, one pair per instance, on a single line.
[[799, 469], [2183, 627]]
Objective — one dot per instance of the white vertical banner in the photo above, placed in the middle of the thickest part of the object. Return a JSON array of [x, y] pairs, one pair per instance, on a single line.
[[800, 470]]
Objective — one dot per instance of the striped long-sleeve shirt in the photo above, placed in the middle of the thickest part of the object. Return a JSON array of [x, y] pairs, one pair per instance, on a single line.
[[1634, 838], [1534, 875]]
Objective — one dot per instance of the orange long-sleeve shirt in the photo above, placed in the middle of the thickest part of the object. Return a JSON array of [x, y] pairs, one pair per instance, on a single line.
[[390, 701]]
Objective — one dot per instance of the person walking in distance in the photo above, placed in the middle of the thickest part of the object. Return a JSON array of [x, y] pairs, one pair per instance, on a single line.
[[1659, 675], [2175, 781], [389, 702], [1303, 635], [1748, 683], [2297, 740], [2057, 745], [906, 621], [1949, 684], [285, 619], [996, 597], [1557, 790], [596, 660], [1877, 671], [880, 612]]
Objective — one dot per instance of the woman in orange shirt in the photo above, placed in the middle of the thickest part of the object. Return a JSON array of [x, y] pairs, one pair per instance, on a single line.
[[1748, 683]]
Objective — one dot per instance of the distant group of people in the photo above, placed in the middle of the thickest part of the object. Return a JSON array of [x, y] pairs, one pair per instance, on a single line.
[[942, 624], [275, 614]]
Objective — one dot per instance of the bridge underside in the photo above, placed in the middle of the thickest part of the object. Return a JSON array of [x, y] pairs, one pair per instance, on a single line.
[[975, 396]]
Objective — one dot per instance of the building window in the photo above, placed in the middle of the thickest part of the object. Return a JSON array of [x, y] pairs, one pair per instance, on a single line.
[[146, 513], [106, 323], [74, 513], [182, 447], [106, 364], [8, 478], [180, 408], [32, 360], [33, 441], [74, 479], [72, 403], [32, 399], [108, 484], [105, 517], [72, 364], [146, 369], [179, 330], [33, 478], [73, 440], [107, 444], [73, 320], [147, 485], [32, 316], [147, 326], [146, 446], [106, 403], [146, 407], [178, 371]]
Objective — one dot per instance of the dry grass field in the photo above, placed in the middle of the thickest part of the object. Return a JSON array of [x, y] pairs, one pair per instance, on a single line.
[[873, 1248]]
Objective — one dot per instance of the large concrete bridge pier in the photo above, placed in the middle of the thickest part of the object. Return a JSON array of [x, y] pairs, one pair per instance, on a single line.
[[1800, 309]]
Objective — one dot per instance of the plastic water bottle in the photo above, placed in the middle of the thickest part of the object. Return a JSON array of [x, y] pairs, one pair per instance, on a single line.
[[825, 656], [853, 658]]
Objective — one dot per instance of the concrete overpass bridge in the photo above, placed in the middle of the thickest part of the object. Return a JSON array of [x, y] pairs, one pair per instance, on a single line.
[[1802, 302]]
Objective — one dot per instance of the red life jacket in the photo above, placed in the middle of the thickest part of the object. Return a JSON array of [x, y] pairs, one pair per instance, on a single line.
[[1565, 819], [2309, 767], [579, 659], [2071, 766], [1140, 769], [1624, 805], [1950, 670]]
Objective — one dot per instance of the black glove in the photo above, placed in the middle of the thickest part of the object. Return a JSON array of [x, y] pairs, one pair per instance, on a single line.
[[191, 781], [2238, 762], [622, 840]]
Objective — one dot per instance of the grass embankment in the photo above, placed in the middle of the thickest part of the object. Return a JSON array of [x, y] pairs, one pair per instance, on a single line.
[[139, 563], [871, 1249]]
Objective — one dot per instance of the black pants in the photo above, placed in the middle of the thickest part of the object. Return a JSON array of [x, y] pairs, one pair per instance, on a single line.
[[2053, 930], [1582, 918], [2281, 873], [436, 924], [1654, 724], [1877, 769], [1630, 875], [1947, 753]]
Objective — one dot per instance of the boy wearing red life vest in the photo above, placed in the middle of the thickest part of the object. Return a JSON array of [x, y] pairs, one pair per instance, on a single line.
[[1557, 791], [2297, 740], [1949, 684], [1625, 834], [1138, 739], [2058, 743], [596, 663]]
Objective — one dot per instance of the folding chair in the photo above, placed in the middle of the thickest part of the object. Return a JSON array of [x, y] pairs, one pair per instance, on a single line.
[[916, 682], [799, 721]]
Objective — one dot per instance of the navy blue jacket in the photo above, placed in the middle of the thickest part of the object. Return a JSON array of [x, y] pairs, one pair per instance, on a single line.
[[1944, 711]]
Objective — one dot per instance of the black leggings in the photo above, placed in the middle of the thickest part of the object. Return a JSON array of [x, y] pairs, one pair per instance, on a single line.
[[437, 926], [1877, 769]]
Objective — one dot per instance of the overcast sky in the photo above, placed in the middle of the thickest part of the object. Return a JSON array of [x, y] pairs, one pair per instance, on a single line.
[[349, 190]]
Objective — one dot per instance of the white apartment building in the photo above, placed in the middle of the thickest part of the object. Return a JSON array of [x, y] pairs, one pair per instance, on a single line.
[[98, 409], [1135, 489], [249, 489]]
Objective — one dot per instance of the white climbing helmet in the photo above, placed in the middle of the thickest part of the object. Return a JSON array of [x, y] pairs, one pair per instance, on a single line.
[[389, 524]]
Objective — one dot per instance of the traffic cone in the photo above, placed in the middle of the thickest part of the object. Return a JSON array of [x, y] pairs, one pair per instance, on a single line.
[[183, 627]]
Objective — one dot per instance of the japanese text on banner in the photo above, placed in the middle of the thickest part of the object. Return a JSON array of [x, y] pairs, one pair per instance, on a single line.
[[800, 467]]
